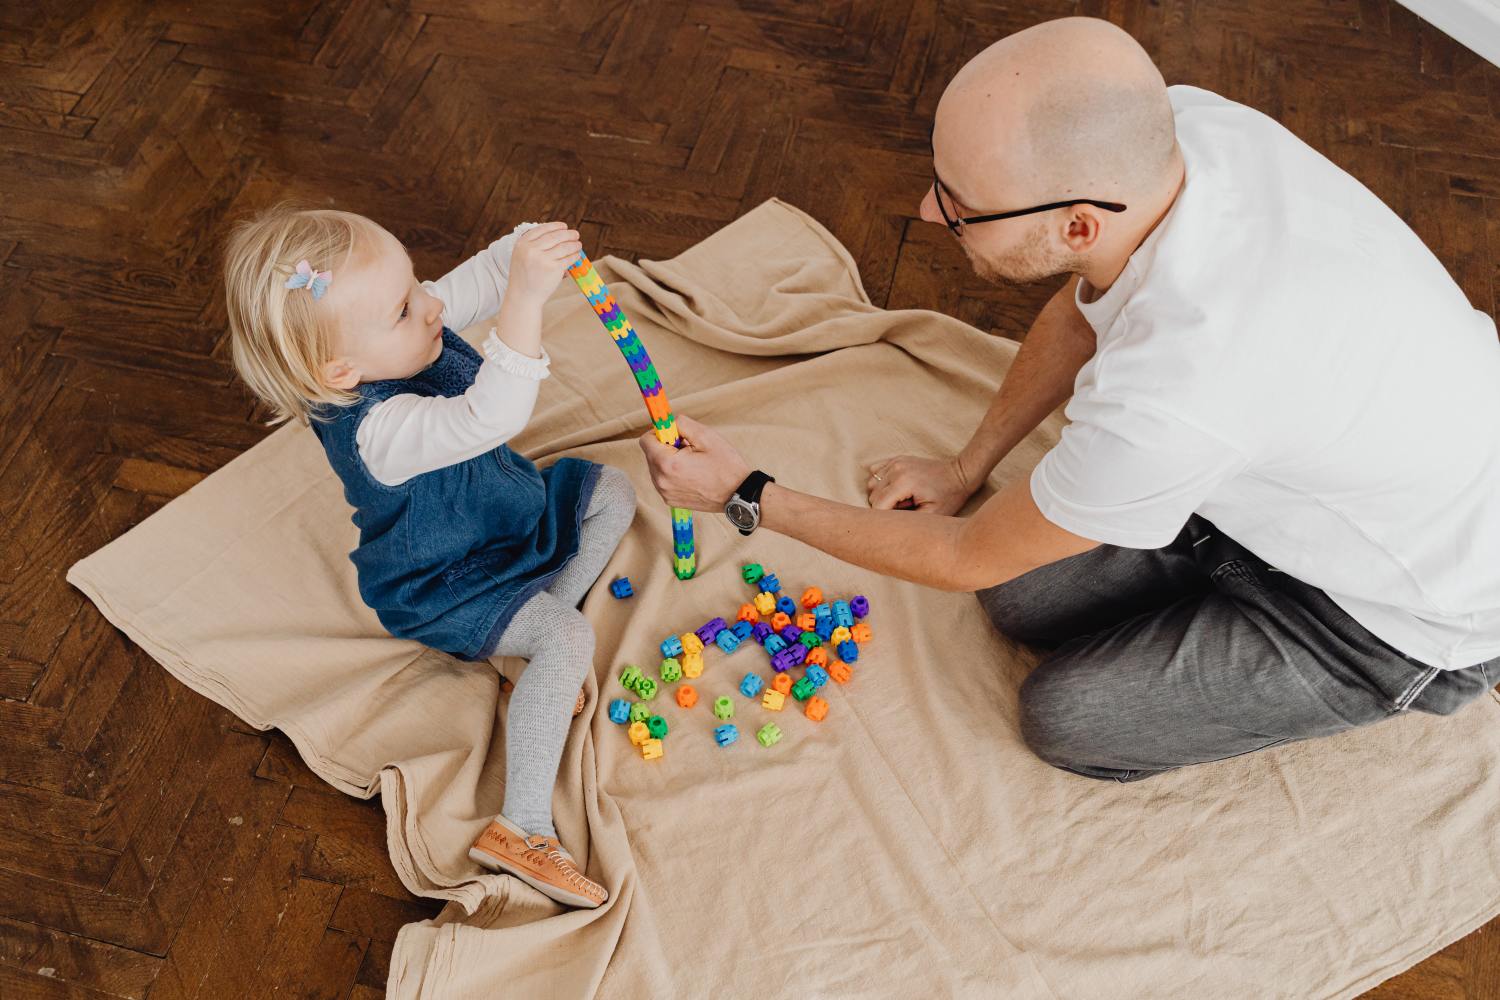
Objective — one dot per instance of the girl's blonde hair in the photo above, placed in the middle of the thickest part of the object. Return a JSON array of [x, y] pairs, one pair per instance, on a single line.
[[279, 337]]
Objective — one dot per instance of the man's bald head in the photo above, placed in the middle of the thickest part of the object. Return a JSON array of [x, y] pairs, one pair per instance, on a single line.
[[1072, 108]]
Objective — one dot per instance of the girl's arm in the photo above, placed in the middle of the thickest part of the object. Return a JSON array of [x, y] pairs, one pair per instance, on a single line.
[[407, 435], [472, 291]]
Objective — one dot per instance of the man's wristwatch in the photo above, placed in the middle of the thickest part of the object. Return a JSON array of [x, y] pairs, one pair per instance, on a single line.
[[743, 508]]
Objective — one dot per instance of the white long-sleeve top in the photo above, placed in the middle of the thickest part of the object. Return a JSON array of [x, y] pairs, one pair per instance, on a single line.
[[407, 434]]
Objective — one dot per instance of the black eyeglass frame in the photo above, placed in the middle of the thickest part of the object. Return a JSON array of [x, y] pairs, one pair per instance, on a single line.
[[956, 226]]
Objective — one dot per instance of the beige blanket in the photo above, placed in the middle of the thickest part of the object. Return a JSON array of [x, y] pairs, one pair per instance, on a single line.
[[909, 845]]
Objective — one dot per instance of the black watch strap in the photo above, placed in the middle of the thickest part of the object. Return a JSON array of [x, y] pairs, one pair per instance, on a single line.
[[749, 490]]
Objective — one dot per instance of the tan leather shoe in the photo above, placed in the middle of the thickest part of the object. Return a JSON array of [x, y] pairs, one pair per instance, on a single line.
[[538, 861]]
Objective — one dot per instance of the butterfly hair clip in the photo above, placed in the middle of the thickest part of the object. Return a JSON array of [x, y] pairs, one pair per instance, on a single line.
[[316, 282]]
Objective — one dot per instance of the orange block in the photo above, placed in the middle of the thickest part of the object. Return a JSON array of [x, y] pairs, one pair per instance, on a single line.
[[658, 406], [817, 709], [817, 657], [687, 696], [811, 598], [780, 621], [749, 614], [840, 671], [860, 633], [807, 621], [782, 683]]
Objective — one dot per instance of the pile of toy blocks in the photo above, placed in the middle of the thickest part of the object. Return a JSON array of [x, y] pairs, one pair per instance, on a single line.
[[821, 638]]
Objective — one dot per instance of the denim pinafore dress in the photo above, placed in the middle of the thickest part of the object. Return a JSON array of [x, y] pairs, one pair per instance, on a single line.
[[449, 556]]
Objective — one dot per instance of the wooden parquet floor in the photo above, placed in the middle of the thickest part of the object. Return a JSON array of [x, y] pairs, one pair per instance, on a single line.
[[150, 843]]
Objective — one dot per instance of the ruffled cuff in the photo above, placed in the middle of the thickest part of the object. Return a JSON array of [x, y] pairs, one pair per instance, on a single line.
[[513, 361]]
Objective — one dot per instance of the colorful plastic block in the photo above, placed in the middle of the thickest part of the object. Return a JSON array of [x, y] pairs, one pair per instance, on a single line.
[[619, 711], [691, 643], [651, 749], [785, 605], [817, 657], [807, 621], [782, 683], [840, 671], [630, 676], [671, 646], [638, 733], [848, 651], [759, 632], [725, 735], [723, 707], [810, 640], [773, 701], [751, 684], [841, 634], [811, 598], [692, 665], [816, 676], [752, 572], [842, 615], [769, 735], [817, 709], [823, 611], [824, 630], [802, 690], [621, 588], [792, 634], [646, 689], [770, 584], [658, 726], [687, 696], [765, 603], [640, 712], [671, 671], [727, 641], [742, 630], [774, 644], [860, 632], [860, 606], [709, 630], [779, 621], [748, 614], [786, 659]]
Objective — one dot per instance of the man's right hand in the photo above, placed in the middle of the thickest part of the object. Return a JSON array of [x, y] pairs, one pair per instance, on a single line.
[[907, 482]]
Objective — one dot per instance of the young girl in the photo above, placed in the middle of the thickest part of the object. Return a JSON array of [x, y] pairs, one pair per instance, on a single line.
[[463, 544]]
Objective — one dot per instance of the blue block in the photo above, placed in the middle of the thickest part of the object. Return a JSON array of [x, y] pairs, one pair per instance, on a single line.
[[671, 647], [621, 588], [751, 684], [824, 630], [725, 735], [619, 711], [817, 675], [843, 615], [760, 632], [727, 640], [848, 651], [786, 605], [824, 612], [770, 584], [742, 630], [774, 644]]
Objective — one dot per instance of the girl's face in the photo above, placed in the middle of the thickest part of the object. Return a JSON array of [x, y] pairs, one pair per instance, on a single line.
[[389, 327]]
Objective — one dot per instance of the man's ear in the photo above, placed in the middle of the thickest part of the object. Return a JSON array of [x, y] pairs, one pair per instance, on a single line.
[[339, 374]]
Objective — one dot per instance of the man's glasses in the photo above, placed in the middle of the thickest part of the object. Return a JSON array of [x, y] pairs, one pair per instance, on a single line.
[[956, 222]]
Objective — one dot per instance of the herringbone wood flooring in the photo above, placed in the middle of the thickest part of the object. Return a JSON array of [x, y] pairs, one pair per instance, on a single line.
[[149, 842]]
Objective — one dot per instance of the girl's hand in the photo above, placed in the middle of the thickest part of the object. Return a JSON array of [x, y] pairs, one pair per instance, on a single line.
[[541, 257]]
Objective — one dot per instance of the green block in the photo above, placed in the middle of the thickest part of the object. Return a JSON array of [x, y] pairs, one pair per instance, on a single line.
[[671, 671], [630, 677], [657, 726], [723, 708], [810, 640], [769, 733], [646, 688], [753, 573], [640, 712], [803, 689]]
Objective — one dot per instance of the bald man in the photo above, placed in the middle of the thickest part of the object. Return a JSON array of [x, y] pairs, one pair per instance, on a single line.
[[1275, 512]]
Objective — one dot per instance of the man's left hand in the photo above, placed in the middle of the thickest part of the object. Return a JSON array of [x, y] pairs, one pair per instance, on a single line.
[[702, 475]]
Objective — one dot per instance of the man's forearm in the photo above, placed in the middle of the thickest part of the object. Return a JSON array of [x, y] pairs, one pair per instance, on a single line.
[[919, 548], [1040, 379]]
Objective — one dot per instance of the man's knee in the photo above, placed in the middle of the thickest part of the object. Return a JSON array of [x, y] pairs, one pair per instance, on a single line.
[[1013, 608], [1052, 721]]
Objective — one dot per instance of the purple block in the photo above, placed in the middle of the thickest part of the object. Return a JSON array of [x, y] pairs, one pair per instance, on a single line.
[[709, 631], [786, 659], [791, 633], [860, 606], [759, 632]]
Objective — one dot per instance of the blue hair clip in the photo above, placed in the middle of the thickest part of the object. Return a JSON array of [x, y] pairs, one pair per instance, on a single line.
[[315, 281]]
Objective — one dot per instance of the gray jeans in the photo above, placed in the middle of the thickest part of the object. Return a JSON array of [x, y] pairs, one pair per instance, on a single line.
[[1198, 652]]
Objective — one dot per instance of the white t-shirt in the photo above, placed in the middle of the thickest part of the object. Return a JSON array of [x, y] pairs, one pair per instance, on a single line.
[[407, 434], [1283, 356]]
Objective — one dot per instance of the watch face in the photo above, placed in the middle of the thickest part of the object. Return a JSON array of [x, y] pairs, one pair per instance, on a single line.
[[741, 515]]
